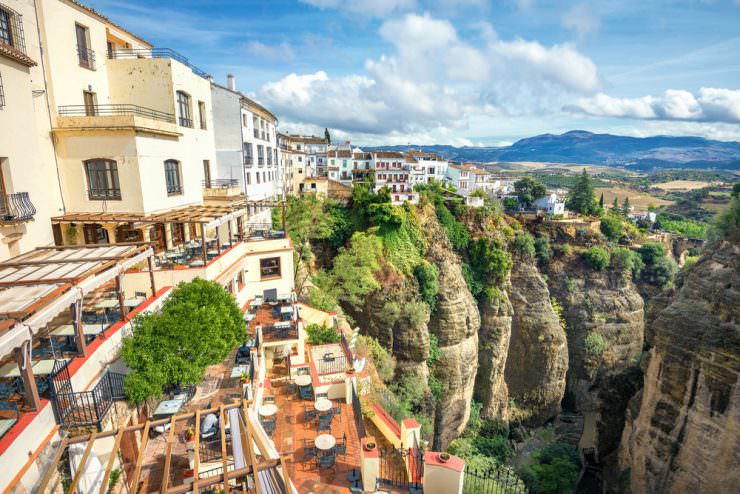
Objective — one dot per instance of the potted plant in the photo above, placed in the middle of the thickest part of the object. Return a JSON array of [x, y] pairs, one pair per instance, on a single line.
[[244, 378], [444, 457], [190, 433]]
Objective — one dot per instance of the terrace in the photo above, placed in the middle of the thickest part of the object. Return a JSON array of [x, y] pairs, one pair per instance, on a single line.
[[57, 305]]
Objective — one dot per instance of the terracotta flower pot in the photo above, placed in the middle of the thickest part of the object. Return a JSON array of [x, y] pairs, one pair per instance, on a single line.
[[370, 446], [444, 457]]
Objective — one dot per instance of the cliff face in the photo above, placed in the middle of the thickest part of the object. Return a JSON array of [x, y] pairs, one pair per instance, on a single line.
[[682, 432], [455, 323], [493, 347], [537, 359]]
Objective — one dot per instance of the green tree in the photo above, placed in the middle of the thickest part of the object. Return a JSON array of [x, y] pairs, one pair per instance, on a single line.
[[489, 261], [581, 197], [427, 275], [543, 249], [353, 273], [327, 136], [601, 201], [627, 262], [626, 207], [306, 221], [524, 246], [198, 325], [611, 226], [728, 221], [615, 206], [321, 334], [597, 257], [529, 190], [651, 252], [663, 271]]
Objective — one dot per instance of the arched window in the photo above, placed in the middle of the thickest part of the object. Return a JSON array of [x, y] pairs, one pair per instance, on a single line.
[[183, 109], [172, 177], [102, 179]]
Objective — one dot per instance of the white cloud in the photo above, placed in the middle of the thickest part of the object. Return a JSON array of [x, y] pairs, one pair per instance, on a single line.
[[279, 52], [582, 19], [708, 105], [434, 79], [377, 8]]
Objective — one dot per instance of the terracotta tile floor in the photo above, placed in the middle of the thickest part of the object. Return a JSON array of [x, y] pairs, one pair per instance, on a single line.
[[292, 429]]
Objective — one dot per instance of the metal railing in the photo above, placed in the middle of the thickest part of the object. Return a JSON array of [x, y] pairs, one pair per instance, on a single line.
[[75, 409], [495, 481], [260, 161], [333, 365], [263, 231], [86, 57], [248, 160], [155, 53], [16, 207], [220, 183], [357, 411], [116, 109], [403, 468], [280, 332], [17, 37]]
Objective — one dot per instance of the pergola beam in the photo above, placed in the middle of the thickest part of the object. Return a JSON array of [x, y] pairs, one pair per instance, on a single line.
[[111, 461], [82, 464], [221, 423]]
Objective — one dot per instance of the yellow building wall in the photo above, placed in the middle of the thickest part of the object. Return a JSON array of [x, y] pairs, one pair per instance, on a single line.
[[26, 152]]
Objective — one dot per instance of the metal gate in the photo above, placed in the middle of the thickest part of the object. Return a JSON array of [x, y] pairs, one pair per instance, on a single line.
[[402, 468]]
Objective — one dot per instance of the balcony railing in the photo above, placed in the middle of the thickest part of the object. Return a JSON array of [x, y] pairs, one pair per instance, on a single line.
[[16, 207], [155, 53], [86, 56], [248, 160], [285, 331], [220, 183], [260, 161], [116, 109]]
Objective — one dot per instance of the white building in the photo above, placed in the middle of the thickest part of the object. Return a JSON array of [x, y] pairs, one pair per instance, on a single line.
[[433, 166], [246, 143], [460, 177], [551, 204], [393, 170]]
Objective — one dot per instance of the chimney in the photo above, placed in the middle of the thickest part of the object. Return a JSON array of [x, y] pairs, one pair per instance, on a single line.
[[231, 82]]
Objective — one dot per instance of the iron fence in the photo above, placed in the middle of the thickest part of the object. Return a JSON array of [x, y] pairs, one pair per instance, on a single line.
[[220, 183], [286, 332], [83, 408], [402, 468], [357, 412], [156, 53], [331, 365], [86, 57], [116, 109], [16, 207], [500, 480]]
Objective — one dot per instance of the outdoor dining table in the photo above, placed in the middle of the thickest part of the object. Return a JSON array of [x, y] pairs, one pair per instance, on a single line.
[[197, 264], [325, 442], [107, 303], [322, 405], [239, 370], [303, 380], [268, 410], [69, 330], [212, 252], [39, 368], [133, 302], [286, 309]]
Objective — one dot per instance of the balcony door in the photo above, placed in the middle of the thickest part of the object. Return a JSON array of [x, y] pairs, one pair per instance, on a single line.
[[90, 103]]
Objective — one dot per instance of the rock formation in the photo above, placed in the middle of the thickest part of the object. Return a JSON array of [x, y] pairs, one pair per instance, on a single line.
[[537, 360], [683, 430]]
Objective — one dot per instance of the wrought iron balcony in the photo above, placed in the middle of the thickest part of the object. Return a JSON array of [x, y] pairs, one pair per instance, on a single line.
[[220, 183], [260, 161], [115, 109], [155, 53], [16, 207], [248, 160], [86, 56]]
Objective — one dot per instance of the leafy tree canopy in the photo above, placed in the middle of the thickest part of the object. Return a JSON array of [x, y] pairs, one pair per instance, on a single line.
[[321, 334], [198, 326], [529, 190], [612, 226], [581, 197], [597, 257]]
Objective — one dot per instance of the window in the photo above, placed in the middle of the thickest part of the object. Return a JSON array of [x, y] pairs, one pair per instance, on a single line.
[[85, 56], [6, 28], [270, 267], [249, 178], [207, 172], [183, 109], [244, 120], [202, 114], [257, 174], [2, 93], [248, 154], [172, 177], [102, 180]]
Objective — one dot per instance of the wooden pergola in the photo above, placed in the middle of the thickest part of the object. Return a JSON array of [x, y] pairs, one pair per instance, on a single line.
[[210, 216], [268, 475], [37, 286]]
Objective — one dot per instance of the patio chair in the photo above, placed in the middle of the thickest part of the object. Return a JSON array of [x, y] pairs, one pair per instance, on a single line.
[[269, 428], [42, 385], [6, 390], [337, 410], [268, 399], [309, 450], [341, 447], [327, 461], [310, 413], [322, 395], [306, 393]]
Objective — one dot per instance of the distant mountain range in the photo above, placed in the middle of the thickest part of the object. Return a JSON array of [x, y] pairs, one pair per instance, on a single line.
[[582, 147]]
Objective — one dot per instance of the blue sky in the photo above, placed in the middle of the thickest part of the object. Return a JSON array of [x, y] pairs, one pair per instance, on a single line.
[[465, 71]]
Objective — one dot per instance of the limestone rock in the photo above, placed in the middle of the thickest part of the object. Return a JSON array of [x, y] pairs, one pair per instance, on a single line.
[[683, 430]]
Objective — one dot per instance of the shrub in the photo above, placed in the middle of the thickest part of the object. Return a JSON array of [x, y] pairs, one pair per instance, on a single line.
[[595, 344], [651, 251], [566, 249], [427, 275], [321, 299], [543, 250], [558, 309], [524, 246], [384, 364], [663, 271], [436, 387], [417, 313], [489, 261], [353, 274], [474, 285], [319, 335], [434, 351], [597, 257], [458, 235], [627, 262], [689, 262], [611, 226]]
